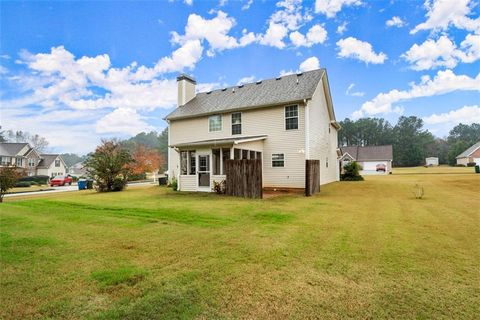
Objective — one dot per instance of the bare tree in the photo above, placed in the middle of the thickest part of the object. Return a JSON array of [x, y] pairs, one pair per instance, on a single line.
[[39, 143]]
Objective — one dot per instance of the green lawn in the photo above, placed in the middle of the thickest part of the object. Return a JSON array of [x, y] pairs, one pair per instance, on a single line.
[[357, 250]]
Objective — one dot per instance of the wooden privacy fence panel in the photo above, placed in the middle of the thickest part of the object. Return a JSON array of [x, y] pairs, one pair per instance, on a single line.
[[312, 177], [244, 178]]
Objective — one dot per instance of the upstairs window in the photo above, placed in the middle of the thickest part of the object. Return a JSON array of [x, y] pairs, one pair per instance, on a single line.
[[278, 160], [215, 123], [236, 123], [31, 162], [57, 163], [291, 117]]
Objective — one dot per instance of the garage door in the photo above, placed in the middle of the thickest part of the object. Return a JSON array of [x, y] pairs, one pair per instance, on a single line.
[[372, 166], [476, 160]]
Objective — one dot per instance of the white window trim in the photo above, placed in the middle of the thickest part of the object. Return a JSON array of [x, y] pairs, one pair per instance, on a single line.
[[221, 123], [285, 117], [271, 161]]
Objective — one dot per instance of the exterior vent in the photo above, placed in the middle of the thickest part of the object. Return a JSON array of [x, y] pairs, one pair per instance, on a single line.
[[233, 90], [299, 74], [297, 80], [258, 82], [224, 89], [240, 86], [278, 78], [208, 92]]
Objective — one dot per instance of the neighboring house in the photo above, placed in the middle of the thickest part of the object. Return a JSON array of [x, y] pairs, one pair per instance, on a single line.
[[431, 161], [77, 170], [24, 156], [472, 154], [282, 121], [20, 155], [368, 157], [51, 165]]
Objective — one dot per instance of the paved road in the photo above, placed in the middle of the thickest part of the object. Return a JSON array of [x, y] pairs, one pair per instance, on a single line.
[[67, 189]]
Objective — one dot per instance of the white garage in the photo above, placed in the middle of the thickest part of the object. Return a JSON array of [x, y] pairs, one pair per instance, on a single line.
[[476, 160], [372, 166], [369, 157]]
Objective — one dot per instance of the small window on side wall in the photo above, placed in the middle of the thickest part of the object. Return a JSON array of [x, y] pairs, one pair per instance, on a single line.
[[183, 162], [215, 123], [236, 123], [291, 117], [278, 160]]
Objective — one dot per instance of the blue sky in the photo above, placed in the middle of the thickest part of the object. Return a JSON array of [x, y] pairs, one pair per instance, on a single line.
[[75, 72]]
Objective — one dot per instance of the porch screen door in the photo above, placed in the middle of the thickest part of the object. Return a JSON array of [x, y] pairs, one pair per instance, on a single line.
[[204, 171]]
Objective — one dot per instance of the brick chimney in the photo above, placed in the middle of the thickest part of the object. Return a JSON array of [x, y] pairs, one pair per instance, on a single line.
[[186, 89]]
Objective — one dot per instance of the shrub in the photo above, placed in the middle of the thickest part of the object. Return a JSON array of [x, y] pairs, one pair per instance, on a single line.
[[33, 183], [23, 184], [38, 179], [471, 164], [459, 165], [219, 187], [351, 172], [8, 178], [174, 184], [119, 184], [136, 177]]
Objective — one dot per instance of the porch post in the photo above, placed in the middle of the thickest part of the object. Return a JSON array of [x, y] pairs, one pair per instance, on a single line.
[[221, 161]]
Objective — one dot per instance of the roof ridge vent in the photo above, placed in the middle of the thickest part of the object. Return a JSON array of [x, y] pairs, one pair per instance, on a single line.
[[240, 85], [259, 82], [223, 89], [299, 74], [278, 78], [208, 92]]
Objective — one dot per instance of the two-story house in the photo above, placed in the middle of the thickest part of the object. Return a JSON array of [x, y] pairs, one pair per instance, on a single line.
[[23, 156], [283, 121]]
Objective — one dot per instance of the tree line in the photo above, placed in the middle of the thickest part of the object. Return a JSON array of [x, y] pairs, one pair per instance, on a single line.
[[411, 142]]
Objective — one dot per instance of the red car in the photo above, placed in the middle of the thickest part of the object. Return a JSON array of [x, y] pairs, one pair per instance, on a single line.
[[381, 167], [61, 181]]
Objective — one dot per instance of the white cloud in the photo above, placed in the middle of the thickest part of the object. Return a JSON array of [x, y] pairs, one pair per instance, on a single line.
[[188, 2], [395, 22], [308, 64], [316, 34], [274, 36], [330, 8], [360, 50], [465, 115], [349, 91], [247, 5], [221, 3], [3, 70], [443, 82], [186, 56], [214, 31], [342, 27], [311, 63], [289, 17], [442, 14], [443, 53], [122, 120], [246, 80]]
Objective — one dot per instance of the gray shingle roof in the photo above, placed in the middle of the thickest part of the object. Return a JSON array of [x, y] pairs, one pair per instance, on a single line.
[[47, 160], [369, 152], [11, 149], [253, 95], [469, 151]]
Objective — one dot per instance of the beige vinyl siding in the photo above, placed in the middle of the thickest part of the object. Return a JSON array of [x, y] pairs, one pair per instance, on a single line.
[[266, 121], [188, 183], [321, 143], [462, 161]]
